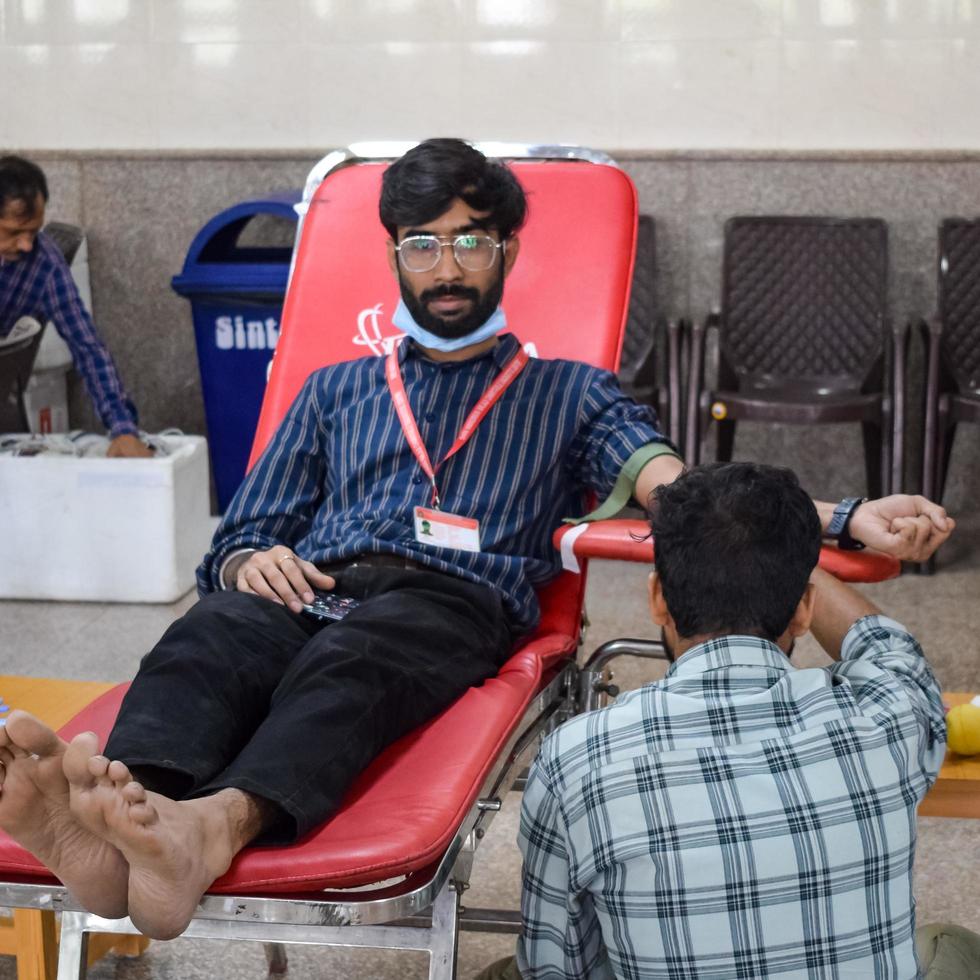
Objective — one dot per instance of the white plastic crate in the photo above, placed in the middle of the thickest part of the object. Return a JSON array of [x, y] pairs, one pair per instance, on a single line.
[[107, 530]]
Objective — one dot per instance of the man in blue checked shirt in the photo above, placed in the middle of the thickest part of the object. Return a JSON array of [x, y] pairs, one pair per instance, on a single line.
[[35, 281], [741, 817], [411, 487]]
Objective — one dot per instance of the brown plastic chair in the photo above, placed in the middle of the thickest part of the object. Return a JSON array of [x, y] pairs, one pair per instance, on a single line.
[[16, 361], [650, 368], [804, 337], [953, 361]]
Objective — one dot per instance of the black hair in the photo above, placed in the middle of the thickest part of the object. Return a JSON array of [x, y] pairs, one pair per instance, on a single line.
[[735, 544], [22, 181], [421, 185]]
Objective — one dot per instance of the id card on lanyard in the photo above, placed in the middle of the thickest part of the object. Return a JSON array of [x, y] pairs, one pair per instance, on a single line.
[[433, 525]]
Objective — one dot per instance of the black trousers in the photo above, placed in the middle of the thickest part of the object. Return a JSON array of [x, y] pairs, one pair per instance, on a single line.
[[243, 693]]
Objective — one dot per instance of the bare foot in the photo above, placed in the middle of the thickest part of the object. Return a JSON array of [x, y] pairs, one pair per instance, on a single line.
[[34, 810], [175, 850]]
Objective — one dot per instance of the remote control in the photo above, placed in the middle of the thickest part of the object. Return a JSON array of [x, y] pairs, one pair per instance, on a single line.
[[328, 605]]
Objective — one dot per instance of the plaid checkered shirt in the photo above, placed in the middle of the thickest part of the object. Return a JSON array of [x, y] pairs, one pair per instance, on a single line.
[[740, 818], [40, 285]]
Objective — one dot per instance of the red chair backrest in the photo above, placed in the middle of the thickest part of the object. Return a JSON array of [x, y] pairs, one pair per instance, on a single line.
[[567, 294]]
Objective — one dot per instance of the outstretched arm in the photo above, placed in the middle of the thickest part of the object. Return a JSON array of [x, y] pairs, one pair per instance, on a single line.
[[909, 527], [64, 307]]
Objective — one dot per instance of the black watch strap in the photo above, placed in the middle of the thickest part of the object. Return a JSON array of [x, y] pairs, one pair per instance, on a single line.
[[840, 522]]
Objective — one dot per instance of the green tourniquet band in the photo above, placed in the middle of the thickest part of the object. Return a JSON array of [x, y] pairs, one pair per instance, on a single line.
[[625, 483]]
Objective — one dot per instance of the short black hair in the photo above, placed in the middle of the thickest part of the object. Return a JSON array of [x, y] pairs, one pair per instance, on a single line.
[[735, 544], [21, 180], [421, 185]]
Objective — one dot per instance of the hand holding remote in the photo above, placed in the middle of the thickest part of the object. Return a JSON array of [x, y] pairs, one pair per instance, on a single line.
[[282, 576]]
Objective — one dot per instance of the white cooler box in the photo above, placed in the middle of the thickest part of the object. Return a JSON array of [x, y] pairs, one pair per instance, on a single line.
[[109, 530]]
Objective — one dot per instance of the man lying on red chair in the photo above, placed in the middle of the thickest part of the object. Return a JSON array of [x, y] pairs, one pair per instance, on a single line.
[[249, 718]]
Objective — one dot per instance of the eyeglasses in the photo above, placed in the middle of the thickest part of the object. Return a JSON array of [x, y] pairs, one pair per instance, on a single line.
[[474, 253]]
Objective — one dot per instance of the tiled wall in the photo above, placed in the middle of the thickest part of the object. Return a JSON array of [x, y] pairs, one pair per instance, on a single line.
[[631, 74], [228, 99], [141, 212]]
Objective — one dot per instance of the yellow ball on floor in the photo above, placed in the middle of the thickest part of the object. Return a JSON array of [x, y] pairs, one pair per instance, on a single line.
[[963, 729]]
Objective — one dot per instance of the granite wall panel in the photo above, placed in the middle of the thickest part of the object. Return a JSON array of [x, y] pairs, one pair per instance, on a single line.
[[142, 210]]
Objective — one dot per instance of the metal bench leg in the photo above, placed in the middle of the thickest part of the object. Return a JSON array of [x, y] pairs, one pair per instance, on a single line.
[[73, 947], [277, 958], [445, 934]]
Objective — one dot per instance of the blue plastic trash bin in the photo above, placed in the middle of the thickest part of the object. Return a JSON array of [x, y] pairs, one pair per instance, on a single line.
[[236, 291]]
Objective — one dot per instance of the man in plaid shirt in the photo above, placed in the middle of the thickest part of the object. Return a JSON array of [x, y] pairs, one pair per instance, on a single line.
[[742, 817], [35, 282]]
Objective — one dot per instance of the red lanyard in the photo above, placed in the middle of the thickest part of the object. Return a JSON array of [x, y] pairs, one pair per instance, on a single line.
[[410, 427]]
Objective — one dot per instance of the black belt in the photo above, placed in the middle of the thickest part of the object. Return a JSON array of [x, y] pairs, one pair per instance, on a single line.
[[373, 561]]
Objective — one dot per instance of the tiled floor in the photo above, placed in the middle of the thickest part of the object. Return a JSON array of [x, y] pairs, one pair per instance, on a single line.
[[105, 642]]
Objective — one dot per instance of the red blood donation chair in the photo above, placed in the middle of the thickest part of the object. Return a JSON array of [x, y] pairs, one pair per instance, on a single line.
[[387, 870]]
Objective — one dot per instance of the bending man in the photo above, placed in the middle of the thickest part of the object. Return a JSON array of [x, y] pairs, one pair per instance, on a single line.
[[740, 817], [35, 281]]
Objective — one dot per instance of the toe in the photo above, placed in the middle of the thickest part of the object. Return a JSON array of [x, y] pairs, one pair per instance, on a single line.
[[31, 735], [134, 793], [118, 772], [142, 814], [81, 748], [98, 766]]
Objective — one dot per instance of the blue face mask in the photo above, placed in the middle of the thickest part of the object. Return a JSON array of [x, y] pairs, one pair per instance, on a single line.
[[405, 322]]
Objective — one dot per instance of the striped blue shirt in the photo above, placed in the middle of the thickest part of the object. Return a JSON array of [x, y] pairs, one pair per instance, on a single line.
[[39, 285], [740, 818], [339, 479]]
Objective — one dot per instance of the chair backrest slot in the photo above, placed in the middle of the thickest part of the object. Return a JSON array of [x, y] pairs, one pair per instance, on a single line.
[[804, 298]]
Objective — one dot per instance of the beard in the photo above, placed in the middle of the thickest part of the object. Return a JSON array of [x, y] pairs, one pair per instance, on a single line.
[[483, 305]]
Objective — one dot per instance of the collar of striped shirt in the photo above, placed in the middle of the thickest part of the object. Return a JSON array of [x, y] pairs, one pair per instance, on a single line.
[[505, 348]]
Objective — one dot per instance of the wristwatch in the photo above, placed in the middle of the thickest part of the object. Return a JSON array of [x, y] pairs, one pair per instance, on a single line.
[[838, 528]]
